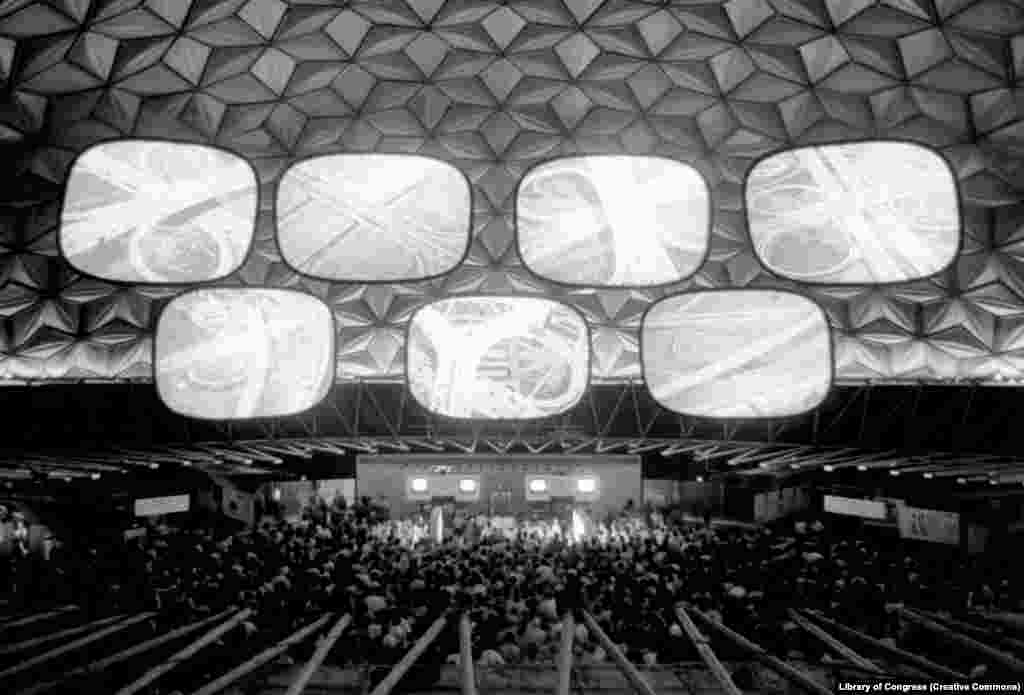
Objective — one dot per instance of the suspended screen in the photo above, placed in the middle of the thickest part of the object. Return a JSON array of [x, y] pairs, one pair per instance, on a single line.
[[613, 220], [230, 354], [145, 211], [497, 357], [873, 212], [737, 353]]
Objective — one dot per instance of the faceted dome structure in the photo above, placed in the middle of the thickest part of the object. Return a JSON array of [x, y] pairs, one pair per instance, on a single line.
[[495, 88]]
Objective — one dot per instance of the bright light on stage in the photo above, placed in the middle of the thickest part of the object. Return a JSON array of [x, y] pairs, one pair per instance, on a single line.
[[538, 485], [418, 484], [578, 528], [586, 485], [613, 221], [228, 354], [148, 211], [373, 217], [854, 213], [467, 485]]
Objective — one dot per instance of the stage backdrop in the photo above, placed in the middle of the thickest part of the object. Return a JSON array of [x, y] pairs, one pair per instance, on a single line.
[[384, 476]]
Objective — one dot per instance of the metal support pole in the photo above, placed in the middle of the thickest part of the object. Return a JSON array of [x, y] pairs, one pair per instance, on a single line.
[[36, 617], [466, 656], [264, 657], [150, 676], [135, 650], [929, 667], [56, 636], [74, 646], [317, 660], [565, 655], [1007, 661], [632, 674], [833, 644], [402, 667], [759, 653], [701, 643]]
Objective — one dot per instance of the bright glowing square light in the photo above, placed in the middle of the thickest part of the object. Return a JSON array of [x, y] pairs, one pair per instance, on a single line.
[[418, 485], [586, 485], [538, 485], [467, 485]]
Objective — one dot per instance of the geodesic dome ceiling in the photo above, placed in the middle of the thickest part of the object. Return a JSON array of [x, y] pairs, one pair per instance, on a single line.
[[495, 88]]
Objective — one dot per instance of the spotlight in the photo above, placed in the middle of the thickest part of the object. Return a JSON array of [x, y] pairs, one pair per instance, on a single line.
[[419, 485], [538, 485], [467, 485], [586, 485], [700, 479]]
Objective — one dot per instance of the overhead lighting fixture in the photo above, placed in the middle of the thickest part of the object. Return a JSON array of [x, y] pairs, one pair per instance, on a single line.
[[586, 485], [418, 485], [467, 485], [538, 485]]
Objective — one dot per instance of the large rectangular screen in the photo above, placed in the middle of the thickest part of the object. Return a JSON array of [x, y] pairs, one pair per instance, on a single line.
[[868, 212], [228, 354], [737, 353], [373, 217], [497, 357], [613, 221], [148, 211]]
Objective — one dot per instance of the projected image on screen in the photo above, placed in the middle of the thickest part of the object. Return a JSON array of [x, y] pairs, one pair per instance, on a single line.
[[373, 218], [873, 212], [613, 220], [229, 354], [497, 357], [146, 211], [737, 353]]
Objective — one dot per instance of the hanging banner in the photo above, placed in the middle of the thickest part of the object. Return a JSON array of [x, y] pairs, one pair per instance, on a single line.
[[929, 525], [158, 506], [850, 506]]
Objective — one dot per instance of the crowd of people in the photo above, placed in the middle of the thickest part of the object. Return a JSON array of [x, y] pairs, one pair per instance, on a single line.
[[518, 581]]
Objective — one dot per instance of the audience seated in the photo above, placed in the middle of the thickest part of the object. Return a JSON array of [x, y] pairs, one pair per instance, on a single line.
[[517, 582]]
